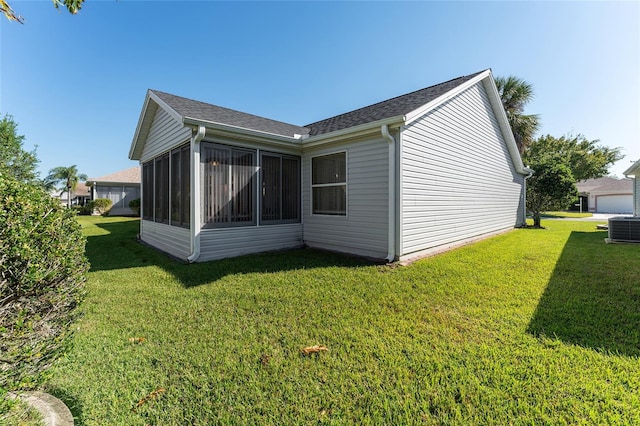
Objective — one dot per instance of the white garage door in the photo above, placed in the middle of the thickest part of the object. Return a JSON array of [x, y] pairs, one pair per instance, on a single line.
[[614, 204]]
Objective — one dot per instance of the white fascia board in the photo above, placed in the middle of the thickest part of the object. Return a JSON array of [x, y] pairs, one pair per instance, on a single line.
[[486, 78], [150, 100], [351, 132], [503, 122], [419, 112], [113, 183], [136, 136], [246, 134], [634, 170]]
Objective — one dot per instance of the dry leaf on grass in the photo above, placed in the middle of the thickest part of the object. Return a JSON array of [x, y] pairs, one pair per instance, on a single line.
[[314, 349], [136, 339], [152, 395]]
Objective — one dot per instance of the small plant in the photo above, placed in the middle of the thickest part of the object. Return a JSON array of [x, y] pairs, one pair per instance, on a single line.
[[82, 210], [135, 206], [101, 205], [42, 275]]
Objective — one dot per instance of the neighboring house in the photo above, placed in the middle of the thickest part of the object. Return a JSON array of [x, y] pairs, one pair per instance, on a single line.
[[79, 197], [398, 179], [120, 187], [634, 172], [607, 194]]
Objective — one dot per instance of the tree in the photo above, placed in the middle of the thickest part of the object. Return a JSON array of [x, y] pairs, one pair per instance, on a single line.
[[515, 93], [586, 159], [558, 164], [552, 187], [14, 160], [73, 6], [68, 176]]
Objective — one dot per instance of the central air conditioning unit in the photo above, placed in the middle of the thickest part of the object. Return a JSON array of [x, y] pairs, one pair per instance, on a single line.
[[624, 229]]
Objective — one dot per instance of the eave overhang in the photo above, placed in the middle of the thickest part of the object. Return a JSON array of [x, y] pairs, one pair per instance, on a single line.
[[634, 170], [354, 132], [250, 135]]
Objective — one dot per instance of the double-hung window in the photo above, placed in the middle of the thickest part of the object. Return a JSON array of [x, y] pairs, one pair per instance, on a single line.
[[329, 184], [280, 195], [228, 182]]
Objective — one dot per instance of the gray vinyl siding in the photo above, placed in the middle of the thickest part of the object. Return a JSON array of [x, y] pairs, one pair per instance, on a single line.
[[229, 242], [120, 196], [165, 133], [364, 230], [458, 179], [171, 239]]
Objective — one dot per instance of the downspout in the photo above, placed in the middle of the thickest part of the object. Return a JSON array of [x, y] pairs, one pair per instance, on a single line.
[[391, 245], [524, 197], [194, 215]]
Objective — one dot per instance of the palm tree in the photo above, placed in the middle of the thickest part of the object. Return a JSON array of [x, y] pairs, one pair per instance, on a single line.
[[68, 176], [515, 94]]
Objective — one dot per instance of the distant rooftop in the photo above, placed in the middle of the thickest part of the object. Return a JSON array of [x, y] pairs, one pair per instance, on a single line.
[[131, 175], [605, 184]]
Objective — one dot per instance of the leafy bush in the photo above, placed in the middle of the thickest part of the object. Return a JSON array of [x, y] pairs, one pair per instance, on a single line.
[[135, 206], [101, 205], [42, 275], [82, 210]]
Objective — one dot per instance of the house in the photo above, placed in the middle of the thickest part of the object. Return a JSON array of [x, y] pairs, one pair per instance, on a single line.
[[634, 172], [417, 173], [120, 187], [79, 196], [607, 195]]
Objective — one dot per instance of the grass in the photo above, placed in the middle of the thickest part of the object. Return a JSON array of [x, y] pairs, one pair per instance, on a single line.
[[530, 327], [567, 215], [21, 414]]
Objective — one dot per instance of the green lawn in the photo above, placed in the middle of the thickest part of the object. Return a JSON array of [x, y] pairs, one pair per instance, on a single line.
[[530, 327], [567, 215]]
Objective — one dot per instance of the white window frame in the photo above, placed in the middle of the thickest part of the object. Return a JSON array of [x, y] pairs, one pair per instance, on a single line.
[[345, 184]]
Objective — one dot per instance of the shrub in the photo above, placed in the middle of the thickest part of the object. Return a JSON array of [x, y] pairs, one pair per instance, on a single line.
[[82, 210], [135, 206], [42, 274], [101, 205]]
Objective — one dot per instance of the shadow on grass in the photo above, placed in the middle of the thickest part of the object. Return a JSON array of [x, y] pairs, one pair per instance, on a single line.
[[593, 297], [71, 403], [119, 249]]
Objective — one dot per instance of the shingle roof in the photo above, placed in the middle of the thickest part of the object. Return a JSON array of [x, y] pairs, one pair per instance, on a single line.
[[188, 108], [393, 107], [131, 175], [605, 184], [400, 105], [81, 189]]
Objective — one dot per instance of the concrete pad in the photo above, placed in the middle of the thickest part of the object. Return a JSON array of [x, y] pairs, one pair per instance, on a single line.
[[53, 411]]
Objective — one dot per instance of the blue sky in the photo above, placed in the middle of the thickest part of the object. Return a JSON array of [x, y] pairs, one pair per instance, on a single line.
[[76, 84]]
